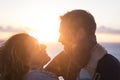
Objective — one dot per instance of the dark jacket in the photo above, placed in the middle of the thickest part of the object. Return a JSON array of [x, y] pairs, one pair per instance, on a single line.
[[108, 68]]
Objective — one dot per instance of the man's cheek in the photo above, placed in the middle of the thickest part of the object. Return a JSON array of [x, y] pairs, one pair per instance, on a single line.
[[85, 58], [81, 58]]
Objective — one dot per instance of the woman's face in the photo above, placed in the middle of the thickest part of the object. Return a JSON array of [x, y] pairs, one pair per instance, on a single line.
[[37, 58]]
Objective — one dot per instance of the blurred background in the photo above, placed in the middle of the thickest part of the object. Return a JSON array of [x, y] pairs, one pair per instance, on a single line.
[[40, 18]]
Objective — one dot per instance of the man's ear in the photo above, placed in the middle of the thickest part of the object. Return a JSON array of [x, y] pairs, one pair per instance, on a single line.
[[81, 33]]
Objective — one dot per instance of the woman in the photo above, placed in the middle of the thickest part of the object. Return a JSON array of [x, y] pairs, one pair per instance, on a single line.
[[22, 58]]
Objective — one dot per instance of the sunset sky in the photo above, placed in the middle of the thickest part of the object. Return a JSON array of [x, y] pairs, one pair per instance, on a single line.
[[41, 17]]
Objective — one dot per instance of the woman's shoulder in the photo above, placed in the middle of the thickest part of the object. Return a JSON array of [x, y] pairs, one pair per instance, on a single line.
[[40, 75]]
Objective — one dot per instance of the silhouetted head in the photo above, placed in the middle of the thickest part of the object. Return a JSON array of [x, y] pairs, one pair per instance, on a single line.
[[19, 54], [77, 33]]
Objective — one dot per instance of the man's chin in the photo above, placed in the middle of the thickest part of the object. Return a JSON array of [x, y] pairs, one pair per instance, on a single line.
[[66, 50]]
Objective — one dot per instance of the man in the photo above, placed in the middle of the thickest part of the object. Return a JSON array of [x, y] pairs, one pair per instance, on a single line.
[[77, 34]]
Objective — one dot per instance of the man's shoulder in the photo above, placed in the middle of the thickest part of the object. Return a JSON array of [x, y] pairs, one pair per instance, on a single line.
[[109, 59], [108, 68]]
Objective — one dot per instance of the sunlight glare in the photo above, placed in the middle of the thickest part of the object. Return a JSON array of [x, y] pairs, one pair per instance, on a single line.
[[44, 37]]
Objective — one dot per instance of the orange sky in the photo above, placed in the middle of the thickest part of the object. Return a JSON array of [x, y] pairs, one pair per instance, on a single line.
[[43, 15], [101, 37]]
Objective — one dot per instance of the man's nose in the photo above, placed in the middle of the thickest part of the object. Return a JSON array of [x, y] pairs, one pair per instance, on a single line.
[[61, 39]]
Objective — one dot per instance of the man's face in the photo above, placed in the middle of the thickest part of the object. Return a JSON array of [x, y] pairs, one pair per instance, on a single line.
[[66, 40], [75, 43], [70, 38]]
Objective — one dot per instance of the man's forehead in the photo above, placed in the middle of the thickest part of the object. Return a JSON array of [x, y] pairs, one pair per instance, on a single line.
[[70, 28], [65, 30]]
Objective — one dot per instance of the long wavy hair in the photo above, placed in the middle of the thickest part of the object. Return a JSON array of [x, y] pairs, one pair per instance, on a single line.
[[14, 57]]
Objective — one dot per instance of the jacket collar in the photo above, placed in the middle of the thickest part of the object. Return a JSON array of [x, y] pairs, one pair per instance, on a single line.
[[97, 53]]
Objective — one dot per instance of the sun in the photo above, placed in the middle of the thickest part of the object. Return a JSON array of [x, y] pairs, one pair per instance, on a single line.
[[43, 22], [45, 36], [47, 31]]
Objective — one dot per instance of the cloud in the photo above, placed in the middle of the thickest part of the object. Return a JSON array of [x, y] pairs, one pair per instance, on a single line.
[[11, 29], [101, 29], [8, 31], [104, 29]]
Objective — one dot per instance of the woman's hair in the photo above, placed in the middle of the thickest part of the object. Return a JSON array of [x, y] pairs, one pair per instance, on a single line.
[[14, 56]]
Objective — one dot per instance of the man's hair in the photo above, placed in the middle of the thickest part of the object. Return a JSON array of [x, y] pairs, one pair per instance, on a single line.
[[76, 19]]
